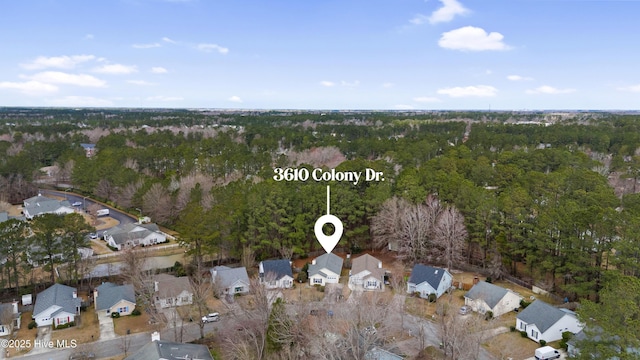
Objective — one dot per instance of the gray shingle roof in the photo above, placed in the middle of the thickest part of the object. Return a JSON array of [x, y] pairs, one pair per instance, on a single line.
[[226, 276], [328, 261], [167, 350], [279, 268], [491, 294], [57, 294], [45, 207], [126, 232], [369, 263], [109, 294], [171, 286], [4, 216], [542, 315], [423, 273]]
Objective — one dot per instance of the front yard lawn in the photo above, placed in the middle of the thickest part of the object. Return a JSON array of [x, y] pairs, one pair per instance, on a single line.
[[511, 345], [86, 330], [133, 324]]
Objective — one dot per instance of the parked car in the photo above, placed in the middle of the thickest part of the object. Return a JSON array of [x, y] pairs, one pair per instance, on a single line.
[[213, 317], [93, 236], [77, 203], [546, 352], [82, 355], [465, 310]]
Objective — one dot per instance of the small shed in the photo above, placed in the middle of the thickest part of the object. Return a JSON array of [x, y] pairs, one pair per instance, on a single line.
[[27, 300]]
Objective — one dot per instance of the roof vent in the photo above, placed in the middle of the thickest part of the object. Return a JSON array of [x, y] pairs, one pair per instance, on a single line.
[[436, 271]]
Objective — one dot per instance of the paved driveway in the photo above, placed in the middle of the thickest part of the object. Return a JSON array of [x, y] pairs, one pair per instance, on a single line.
[[106, 326], [43, 336]]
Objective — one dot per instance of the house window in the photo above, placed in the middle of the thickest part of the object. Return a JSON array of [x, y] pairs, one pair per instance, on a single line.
[[371, 283], [317, 281], [272, 283], [61, 321], [238, 289], [123, 309], [534, 334], [522, 326], [185, 299]]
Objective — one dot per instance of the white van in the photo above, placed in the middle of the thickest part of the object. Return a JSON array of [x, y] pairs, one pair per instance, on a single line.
[[547, 352]]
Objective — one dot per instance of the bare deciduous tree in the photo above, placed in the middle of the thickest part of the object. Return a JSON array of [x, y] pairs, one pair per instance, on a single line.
[[157, 202], [202, 289], [450, 236], [126, 194], [461, 337], [104, 189], [134, 271]]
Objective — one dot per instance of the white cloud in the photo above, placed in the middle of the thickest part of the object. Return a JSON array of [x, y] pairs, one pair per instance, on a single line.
[[159, 70], [350, 84], [449, 10], [519, 78], [388, 85], [478, 90], [426, 99], [146, 46], [79, 101], [60, 62], [116, 69], [58, 77], [235, 99], [632, 88], [419, 19], [470, 38], [164, 98], [89, 37], [403, 107], [166, 39], [140, 82], [212, 47], [546, 89], [30, 87], [327, 83]]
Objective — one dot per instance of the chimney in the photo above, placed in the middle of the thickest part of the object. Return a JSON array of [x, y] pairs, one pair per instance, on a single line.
[[436, 271], [155, 336], [95, 298], [313, 262], [75, 294], [14, 306], [155, 286], [379, 264]]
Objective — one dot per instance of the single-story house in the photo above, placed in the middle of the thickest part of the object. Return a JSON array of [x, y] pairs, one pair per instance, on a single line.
[[428, 280], [112, 298], [276, 274], [167, 350], [9, 318], [172, 291], [230, 281], [37, 257], [325, 269], [367, 273], [484, 296], [131, 235], [57, 305], [39, 205], [542, 321]]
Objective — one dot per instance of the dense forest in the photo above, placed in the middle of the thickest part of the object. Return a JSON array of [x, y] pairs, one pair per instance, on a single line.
[[547, 197]]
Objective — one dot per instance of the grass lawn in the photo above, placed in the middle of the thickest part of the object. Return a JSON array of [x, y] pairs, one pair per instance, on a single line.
[[87, 330], [302, 292], [511, 345], [134, 324]]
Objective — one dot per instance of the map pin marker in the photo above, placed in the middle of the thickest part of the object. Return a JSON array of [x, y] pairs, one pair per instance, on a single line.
[[328, 242]]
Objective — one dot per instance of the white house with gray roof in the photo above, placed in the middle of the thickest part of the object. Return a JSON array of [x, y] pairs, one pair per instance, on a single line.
[[172, 291], [276, 274], [427, 280], [10, 318], [57, 305], [111, 298], [484, 296], [131, 235], [542, 321], [230, 281], [325, 269], [39, 205]]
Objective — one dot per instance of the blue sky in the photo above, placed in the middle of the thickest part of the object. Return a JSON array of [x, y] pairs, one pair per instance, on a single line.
[[321, 54]]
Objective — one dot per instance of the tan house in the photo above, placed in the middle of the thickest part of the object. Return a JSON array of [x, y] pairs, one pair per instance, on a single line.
[[172, 291], [366, 273], [111, 298]]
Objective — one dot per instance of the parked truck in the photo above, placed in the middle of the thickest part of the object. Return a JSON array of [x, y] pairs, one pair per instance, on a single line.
[[102, 212]]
